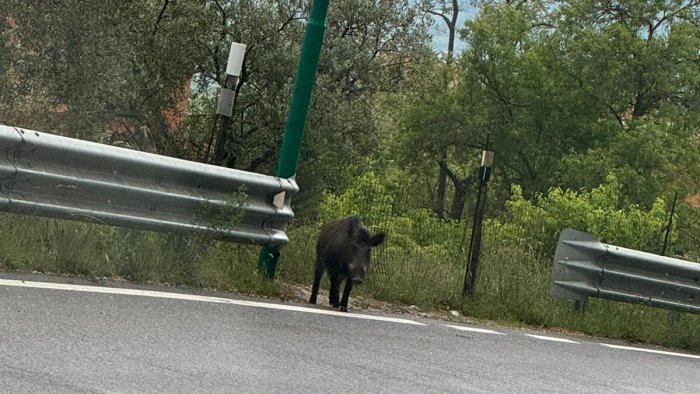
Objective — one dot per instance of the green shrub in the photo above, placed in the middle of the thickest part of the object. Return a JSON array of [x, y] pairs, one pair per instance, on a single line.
[[539, 223], [48, 245], [367, 197]]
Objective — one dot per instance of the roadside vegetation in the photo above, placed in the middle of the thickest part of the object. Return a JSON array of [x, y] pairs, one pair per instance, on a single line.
[[592, 110], [422, 263]]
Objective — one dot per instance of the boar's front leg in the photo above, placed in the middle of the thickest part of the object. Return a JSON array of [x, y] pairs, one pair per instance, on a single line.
[[334, 293], [346, 296]]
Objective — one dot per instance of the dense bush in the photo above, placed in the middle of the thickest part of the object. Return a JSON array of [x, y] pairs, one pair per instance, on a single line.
[[538, 223]]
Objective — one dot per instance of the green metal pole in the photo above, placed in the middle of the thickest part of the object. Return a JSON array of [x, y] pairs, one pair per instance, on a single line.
[[298, 109]]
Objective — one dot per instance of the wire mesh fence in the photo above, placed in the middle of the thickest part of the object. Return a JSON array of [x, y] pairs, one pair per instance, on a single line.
[[423, 258]]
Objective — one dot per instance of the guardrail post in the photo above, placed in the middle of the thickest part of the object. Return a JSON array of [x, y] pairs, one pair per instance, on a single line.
[[298, 109]]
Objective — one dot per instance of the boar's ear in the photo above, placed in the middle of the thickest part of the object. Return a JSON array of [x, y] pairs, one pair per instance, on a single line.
[[377, 239], [357, 231], [353, 226]]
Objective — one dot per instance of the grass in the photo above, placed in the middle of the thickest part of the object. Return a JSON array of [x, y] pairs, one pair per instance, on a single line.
[[512, 286], [55, 246]]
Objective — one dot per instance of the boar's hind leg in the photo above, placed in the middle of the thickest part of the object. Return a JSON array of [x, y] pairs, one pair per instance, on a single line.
[[318, 273], [333, 295], [346, 296]]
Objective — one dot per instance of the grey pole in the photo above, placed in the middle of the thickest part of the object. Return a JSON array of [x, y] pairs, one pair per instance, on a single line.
[[224, 106], [475, 243]]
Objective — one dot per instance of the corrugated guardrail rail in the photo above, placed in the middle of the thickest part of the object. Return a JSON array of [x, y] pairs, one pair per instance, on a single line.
[[585, 267], [48, 175]]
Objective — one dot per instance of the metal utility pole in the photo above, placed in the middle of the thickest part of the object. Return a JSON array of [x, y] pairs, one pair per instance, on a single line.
[[475, 242], [224, 106], [296, 117]]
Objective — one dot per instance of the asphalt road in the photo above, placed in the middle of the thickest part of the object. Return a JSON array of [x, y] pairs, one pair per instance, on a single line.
[[72, 339]]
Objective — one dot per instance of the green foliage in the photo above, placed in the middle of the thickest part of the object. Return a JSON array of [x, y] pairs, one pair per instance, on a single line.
[[366, 197], [197, 129], [54, 245], [296, 264], [101, 71], [376, 201], [651, 158], [562, 89], [155, 257], [512, 283], [226, 213], [598, 212], [121, 73], [514, 286], [231, 267], [407, 273]]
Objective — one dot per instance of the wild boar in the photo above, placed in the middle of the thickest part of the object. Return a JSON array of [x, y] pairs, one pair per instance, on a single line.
[[344, 249]]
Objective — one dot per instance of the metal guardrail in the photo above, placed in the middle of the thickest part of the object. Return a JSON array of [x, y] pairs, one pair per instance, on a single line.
[[584, 267], [48, 175]]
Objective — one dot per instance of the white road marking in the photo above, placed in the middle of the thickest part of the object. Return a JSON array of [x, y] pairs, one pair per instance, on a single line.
[[474, 329], [639, 349], [192, 297], [553, 339]]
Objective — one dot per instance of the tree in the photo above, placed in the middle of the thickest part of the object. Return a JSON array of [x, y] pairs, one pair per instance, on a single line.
[[102, 70], [649, 50], [438, 122], [447, 12], [649, 88], [558, 86]]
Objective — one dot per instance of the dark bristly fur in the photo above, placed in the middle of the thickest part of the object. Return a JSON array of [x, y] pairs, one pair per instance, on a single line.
[[344, 250]]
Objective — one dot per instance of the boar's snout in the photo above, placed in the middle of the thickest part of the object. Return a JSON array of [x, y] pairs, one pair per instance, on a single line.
[[357, 280]]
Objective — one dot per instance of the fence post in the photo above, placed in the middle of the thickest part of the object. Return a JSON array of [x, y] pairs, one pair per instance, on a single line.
[[475, 242], [224, 106], [673, 315]]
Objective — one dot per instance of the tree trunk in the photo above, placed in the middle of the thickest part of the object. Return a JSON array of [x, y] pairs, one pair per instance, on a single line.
[[442, 187], [451, 23], [461, 189]]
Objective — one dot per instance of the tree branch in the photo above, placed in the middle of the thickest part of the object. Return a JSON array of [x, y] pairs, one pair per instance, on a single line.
[[160, 17], [616, 115], [450, 174], [447, 20]]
